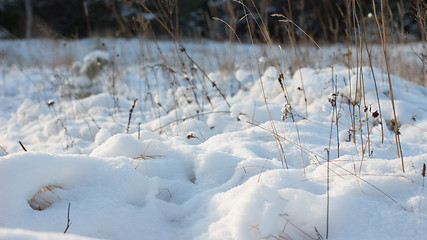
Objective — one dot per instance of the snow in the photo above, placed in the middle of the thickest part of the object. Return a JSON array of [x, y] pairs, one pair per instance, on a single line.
[[186, 166], [22, 234]]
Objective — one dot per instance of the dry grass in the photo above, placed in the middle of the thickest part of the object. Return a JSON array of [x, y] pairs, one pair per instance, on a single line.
[[182, 70], [2, 152], [44, 198]]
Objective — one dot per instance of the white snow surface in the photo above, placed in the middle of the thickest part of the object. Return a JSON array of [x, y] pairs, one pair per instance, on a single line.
[[186, 166]]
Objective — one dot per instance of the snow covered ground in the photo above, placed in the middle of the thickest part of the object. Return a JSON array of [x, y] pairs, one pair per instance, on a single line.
[[180, 144]]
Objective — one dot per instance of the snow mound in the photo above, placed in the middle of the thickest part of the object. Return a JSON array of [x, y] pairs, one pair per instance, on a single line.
[[22, 234]]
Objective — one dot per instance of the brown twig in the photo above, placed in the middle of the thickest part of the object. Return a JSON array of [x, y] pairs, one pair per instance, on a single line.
[[22, 145], [327, 194], [423, 173], [4, 150], [68, 219], [130, 114]]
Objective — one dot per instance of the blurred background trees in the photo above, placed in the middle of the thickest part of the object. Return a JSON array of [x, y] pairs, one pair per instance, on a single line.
[[325, 20]]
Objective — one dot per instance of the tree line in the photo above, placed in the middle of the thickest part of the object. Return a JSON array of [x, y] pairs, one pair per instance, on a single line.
[[324, 20]]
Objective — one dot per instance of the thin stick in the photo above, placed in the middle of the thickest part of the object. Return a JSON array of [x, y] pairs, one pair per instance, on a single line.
[[334, 105], [376, 90], [22, 145], [4, 150], [423, 173], [68, 219], [130, 114], [336, 116], [327, 196]]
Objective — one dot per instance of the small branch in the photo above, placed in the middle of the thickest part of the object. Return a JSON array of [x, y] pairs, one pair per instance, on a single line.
[[319, 236], [423, 173], [68, 219], [327, 195], [3, 150], [130, 114], [22, 145]]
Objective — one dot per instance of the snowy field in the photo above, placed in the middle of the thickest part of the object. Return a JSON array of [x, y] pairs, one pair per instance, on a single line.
[[132, 139]]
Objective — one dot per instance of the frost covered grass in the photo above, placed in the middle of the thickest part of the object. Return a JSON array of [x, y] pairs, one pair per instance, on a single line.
[[151, 140]]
